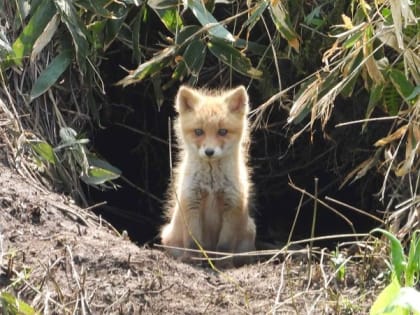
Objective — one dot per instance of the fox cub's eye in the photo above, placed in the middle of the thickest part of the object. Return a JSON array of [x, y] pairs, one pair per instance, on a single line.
[[199, 132], [222, 132]]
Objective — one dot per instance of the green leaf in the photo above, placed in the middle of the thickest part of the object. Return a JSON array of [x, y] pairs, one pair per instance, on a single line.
[[45, 151], [397, 253], [136, 35], [374, 97], [50, 75], [256, 14], [392, 99], [281, 19], [349, 43], [415, 93], [36, 25], [12, 305], [413, 260], [97, 7], [233, 58], [399, 80], [113, 27], [77, 30], [408, 298], [385, 298], [207, 19], [192, 60], [186, 33], [149, 67], [100, 172], [168, 13], [99, 163]]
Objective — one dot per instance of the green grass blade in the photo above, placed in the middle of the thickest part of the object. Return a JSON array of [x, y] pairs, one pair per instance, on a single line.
[[413, 261], [398, 259], [50, 75]]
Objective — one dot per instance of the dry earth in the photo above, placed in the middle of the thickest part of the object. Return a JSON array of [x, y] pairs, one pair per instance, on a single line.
[[62, 259]]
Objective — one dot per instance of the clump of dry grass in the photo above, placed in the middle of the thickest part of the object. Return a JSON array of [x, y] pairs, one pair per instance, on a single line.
[[376, 49]]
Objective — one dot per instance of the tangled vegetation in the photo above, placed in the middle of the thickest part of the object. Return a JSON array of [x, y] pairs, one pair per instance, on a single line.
[[302, 57]]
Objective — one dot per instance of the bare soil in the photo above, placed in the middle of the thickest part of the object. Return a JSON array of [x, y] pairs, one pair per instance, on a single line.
[[62, 259]]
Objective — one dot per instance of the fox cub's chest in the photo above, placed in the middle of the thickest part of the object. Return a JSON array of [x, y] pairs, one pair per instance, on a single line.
[[212, 180]]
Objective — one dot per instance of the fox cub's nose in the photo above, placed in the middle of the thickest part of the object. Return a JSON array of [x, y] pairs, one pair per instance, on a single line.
[[209, 152]]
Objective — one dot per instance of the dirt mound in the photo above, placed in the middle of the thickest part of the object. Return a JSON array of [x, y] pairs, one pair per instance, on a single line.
[[62, 259]]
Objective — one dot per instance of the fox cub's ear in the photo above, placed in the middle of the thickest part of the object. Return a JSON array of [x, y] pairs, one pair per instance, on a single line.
[[237, 100], [186, 99]]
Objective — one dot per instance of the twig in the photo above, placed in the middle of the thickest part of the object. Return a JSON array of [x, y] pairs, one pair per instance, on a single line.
[[355, 209], [314, 215], [76, 277], [365, 120], [280, 288], [325, 205]]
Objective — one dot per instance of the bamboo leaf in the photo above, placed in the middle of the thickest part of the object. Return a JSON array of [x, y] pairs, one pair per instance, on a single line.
[[149, 67], [168, 13], [50, 75], [185, 33], [192, 60], [304, 99], [99, 163], [399, 80], [374, 97], [113, 27], [283, 25], [45, 151], [370, 62], [354, 38], [392, 99], [100, 172], [233, 58], [411, 149], [256, 14], [207, 19], [97, 7], [400, 132], [46, 36], [77, 30], [36, 25]]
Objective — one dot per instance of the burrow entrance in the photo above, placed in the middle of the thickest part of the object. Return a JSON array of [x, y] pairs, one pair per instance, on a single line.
[[133, 136]]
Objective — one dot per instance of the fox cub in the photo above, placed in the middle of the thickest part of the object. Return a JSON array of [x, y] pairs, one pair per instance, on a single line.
[[210, 197]]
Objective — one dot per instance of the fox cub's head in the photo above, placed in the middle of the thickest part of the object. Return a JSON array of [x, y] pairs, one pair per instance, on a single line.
[[210, 124]]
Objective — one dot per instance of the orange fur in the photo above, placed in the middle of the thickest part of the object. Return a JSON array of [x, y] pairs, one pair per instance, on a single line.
[[210, 198]]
